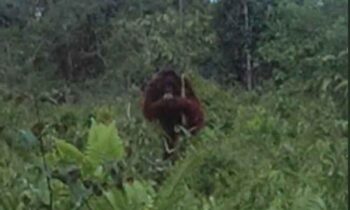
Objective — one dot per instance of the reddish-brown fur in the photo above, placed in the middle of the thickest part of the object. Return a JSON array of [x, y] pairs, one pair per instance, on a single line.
[[169, 110]]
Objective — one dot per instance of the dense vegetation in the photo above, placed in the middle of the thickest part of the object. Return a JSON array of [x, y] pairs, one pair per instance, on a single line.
[[272, 76]]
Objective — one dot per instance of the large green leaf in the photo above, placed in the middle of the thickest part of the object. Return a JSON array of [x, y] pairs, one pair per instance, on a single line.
[[103, 144]]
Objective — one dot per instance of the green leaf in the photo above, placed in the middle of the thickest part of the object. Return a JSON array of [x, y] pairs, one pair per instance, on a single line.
[[166, 196], [307, 199], [103, 144], [116, 199], [69, 152], [325, 84], [328, 58], [343, 84], [139, 194]]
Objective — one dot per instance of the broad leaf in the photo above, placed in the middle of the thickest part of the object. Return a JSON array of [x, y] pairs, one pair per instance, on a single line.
[[103, 144]]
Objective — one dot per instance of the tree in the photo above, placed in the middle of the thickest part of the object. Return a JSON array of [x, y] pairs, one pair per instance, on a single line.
[[239, 25]]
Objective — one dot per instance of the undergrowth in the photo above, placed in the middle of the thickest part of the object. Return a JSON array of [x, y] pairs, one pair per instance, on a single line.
[[279, 149]]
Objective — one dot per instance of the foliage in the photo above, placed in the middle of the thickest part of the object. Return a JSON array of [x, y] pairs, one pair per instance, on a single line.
[[278, 150], [72, 137], [234, 39], [308, 41], [140, 44], [103, 145], [63, 41]]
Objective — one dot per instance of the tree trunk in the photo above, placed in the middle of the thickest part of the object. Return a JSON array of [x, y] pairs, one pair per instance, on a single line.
[[249, 76], [141, 8], [181, 13]]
